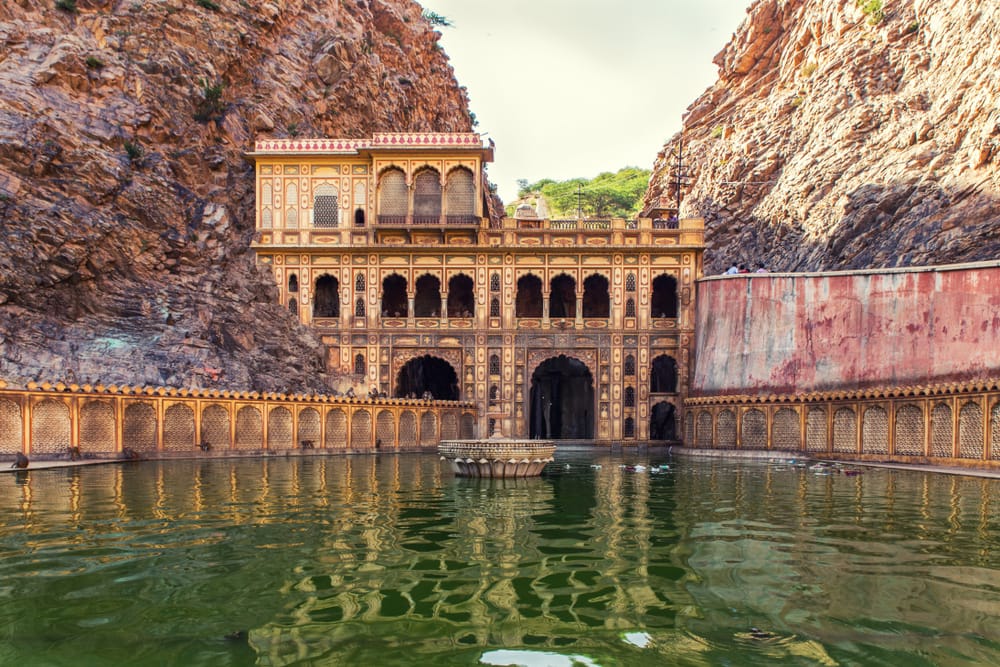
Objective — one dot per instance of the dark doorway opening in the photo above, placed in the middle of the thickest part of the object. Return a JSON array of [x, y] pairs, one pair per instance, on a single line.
[[562, 297], [596, 301], [562, 400], [529, 297], [663, 377], [394, 296], [427, 302], [662, 422], [461, 301], [326, 301], [427, 374], [664, 301]]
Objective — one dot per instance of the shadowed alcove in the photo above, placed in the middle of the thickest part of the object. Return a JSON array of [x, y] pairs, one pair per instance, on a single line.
[[562, 400]]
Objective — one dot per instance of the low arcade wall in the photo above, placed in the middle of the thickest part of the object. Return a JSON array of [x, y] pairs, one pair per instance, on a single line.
[[44, 421]]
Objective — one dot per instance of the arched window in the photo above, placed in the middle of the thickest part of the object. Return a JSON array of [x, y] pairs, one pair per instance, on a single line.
[[326, 300], [529, 297], [562, 297], [426, 197], [630, 282], [596, 300], [663, 376], [359, 218], [359, 283], [293, 282], [629, 430], [495, 282], [629, 397], [293, 307], [494, 393], [359, 364], [428, 298], [492, 426], [326, 212], [266, 219], [664, 301], [394, 302], [494, 364], [393, 196], [291, 200], [460, 196], [359, 307], [629, 365], [461, 300], [494, 307], [630, 307]]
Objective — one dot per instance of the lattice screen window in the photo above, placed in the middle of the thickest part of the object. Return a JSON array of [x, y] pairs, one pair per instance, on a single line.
[[359, 283], [215, 427], [786, 434], [359, 364], [309, 426], [845, 431], [336, 429], [630, 308], [726, 429], [279, 429], [97, 427], [630, 282], [689, 429], [754, 429], [291, 199], [995, 431], [816, 439], [629, 429], [326, 210], [494, 393], [359, 307], [468, 427], [629, 365], [449, 426], [407, 430], [495, 282], [265, 219], [494, 364], [494, 307], [941, 430], [139, 427], [178, 428], [385, 430], [249, 428], [427, 194], [703, 433], [875, 431], [629, 397], [50, 427], [461, 190], [428, 428], [970, 431], [266, 197], [909, 431], [393, 193], [361, 429]]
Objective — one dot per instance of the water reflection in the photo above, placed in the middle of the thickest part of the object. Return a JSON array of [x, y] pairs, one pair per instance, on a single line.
[[389, 559]]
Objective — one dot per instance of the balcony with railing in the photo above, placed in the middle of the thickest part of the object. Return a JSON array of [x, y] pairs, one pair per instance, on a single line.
[[443, 221]]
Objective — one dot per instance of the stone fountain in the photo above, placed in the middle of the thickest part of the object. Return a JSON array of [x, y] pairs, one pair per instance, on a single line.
[[497, 457]]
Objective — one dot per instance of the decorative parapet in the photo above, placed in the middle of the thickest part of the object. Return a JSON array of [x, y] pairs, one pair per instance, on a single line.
[[384, 140], [872, 393]]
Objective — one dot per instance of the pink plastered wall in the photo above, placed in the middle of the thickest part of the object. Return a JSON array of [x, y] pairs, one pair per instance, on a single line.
[[796, 333]]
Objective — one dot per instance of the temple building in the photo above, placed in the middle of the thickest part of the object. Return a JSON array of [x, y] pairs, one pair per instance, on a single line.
[[576, 329]]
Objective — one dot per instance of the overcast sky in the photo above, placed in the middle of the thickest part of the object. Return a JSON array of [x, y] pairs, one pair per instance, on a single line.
[[571, 88]]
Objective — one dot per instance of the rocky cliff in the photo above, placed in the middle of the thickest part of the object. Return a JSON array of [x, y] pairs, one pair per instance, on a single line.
[[848, 134], [126, 205]]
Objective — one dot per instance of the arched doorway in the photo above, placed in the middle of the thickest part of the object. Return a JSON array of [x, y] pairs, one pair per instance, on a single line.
[[562, 297], [562, 400], [394, 301], [529, 296], [326, 300], [663, 377], [664, 300], [461, 299], [427, 302], [427, 373], [596, 300], [663, 422]]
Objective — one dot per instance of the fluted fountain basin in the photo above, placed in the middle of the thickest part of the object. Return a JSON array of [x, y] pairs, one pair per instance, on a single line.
[[497, 457]]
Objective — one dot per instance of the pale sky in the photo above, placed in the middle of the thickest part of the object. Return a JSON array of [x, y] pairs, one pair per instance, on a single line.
[[570, 88]]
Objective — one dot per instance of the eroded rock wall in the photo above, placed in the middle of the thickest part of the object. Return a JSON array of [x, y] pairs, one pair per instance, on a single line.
[[126, 204], [836, 138]]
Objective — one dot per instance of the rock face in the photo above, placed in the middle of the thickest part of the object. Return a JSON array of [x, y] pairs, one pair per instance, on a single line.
[[839, 138], [126, 205]]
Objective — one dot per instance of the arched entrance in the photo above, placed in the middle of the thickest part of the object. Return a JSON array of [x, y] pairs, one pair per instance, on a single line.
[[663, 422], [427, 373], [562, 400]]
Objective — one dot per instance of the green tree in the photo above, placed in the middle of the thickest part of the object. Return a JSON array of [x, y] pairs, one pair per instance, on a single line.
[[607, 195]]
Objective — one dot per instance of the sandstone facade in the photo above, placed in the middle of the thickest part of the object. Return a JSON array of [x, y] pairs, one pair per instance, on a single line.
[[836, 138], [126, 203]]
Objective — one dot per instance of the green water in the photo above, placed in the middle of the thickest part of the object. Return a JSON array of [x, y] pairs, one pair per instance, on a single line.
[[392, 561]]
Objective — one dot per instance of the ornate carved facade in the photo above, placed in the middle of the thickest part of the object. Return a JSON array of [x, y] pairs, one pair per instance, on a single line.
[[577, 329]]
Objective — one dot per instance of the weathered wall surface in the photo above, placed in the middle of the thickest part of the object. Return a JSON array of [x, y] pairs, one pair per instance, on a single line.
[[784, 333]]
